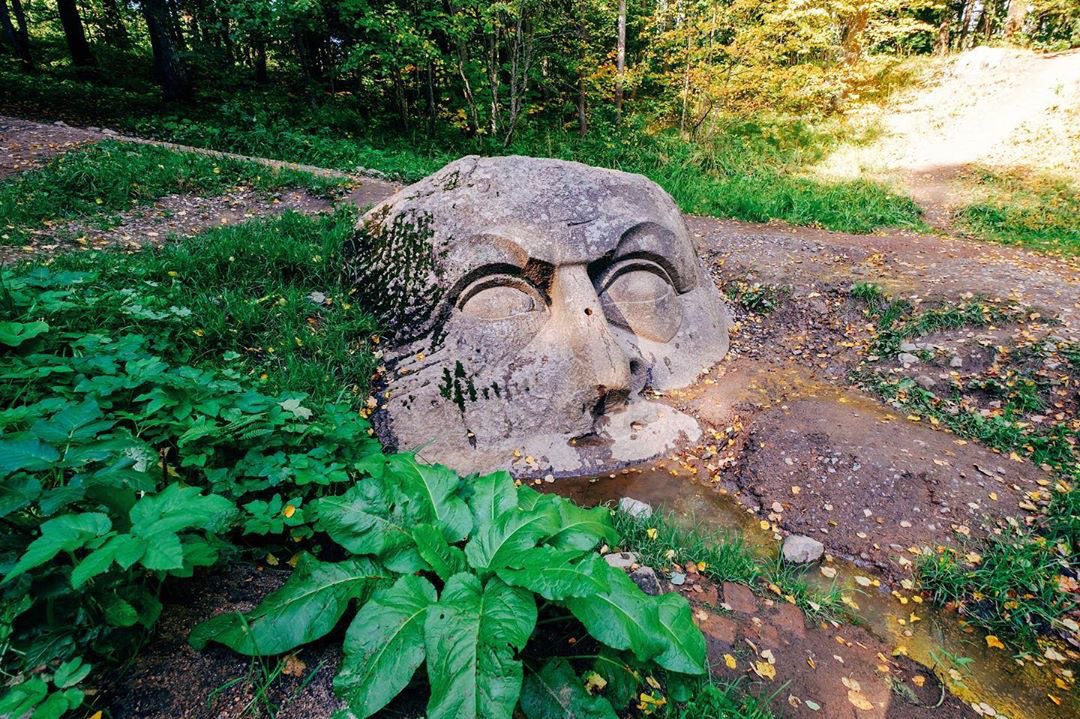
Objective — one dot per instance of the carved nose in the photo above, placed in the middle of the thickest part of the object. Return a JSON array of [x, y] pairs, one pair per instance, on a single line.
[[599, 360]]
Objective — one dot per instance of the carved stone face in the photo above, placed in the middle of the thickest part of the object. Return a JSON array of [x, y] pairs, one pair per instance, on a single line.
[[530, 302]]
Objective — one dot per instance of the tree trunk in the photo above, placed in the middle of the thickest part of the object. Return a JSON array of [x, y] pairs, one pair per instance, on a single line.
[[260, 61], [16, 36], [431, 97], [620, 58], [168, 67], [74, 34], [1014, 21], [583, 41]]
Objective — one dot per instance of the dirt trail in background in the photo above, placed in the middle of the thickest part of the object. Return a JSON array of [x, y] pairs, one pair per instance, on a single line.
[[995, 107]]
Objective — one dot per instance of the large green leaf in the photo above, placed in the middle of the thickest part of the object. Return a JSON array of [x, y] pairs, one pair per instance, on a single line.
[[444, 559], [307, 607], [581, 528], [384, 645], [624, 617], [75, 422], [470, 636], [177, 508], [65, 533], [557, 574], [14, 334], [685, 650], [370, 519], [28, 454], [556, 692], [493, 496], [504, 542], [432, 490], [17, 493]]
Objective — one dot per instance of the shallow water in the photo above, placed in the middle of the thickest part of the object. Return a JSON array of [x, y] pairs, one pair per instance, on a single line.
[[1017, 691]]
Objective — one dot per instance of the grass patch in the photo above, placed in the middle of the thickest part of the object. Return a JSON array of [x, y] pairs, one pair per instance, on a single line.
[[721, 701], [1014, 590], [898, 320], [748, 169], [111, 177], [661, 541], [1025, 209], [755, 297], [240, 297]]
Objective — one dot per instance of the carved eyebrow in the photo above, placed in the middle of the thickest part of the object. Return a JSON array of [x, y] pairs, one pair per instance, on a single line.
[[647, 240]]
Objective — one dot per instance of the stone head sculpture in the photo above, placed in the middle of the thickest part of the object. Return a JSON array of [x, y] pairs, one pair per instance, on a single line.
[[529, 303]]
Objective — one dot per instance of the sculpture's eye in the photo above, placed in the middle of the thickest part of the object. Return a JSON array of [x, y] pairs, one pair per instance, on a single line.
[[638, 295], [500, 297]]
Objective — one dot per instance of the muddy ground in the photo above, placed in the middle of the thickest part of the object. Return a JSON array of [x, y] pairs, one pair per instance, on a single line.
[[791, 438]]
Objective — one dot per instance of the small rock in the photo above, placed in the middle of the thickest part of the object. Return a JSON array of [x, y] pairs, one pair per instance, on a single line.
[[645, 577], [621, 560], [635, 508], [317, 297], [799, 549], [549, 478], [907, 358], [925, 381], [956, 361], [678, 578], [908, 346]]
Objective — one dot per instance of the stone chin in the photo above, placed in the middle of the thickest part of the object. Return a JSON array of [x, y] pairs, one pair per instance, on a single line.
[[530, 302]]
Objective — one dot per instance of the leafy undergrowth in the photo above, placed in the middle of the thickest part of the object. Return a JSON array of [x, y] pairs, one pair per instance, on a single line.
[[747, 169], [144, 438], [1026, 209], [661, 541], [96, 182], [264, 299], [1021, 582]]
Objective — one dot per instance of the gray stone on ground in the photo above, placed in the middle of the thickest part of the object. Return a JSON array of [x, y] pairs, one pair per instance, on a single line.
[[635, 508], [621, 560], [956, 362], [799, 549], [645, 577], [908, 346], [925, 381], [907, 358]]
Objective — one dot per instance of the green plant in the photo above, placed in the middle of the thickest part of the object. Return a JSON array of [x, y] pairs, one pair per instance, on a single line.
[[661, 540], [447, 573], [118, 471], [716, 701]]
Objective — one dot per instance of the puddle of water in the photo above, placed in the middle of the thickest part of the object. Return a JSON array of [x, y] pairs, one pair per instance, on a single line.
[[1013, 690]]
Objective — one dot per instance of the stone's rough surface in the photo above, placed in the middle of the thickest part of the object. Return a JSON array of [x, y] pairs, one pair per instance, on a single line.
[[635, 508], [799, 549], [739, 598], [621, 560], [529, 303], [646, 579]]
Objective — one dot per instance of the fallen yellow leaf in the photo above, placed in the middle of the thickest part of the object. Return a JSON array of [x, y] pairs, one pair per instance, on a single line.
[[918, 680], [730, 661], [993, 642], [859, 700], [765, 670]]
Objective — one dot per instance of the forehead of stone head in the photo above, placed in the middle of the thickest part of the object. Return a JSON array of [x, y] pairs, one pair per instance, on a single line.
[[553, 211]]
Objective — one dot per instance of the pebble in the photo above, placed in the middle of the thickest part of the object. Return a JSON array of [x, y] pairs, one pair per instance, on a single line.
[[646, 579], [635, 508], [907, 358], [800, 549], [621, 560]]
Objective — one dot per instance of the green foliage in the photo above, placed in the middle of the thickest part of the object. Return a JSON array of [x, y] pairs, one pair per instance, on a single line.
[[240, 297], [662, 540], [899, 320], [445, 571], [110, 177], [715, 701], [1022, 209], [1014, 591]]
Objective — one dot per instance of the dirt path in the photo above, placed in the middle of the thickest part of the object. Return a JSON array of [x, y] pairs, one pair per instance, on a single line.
[[995, 107]]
